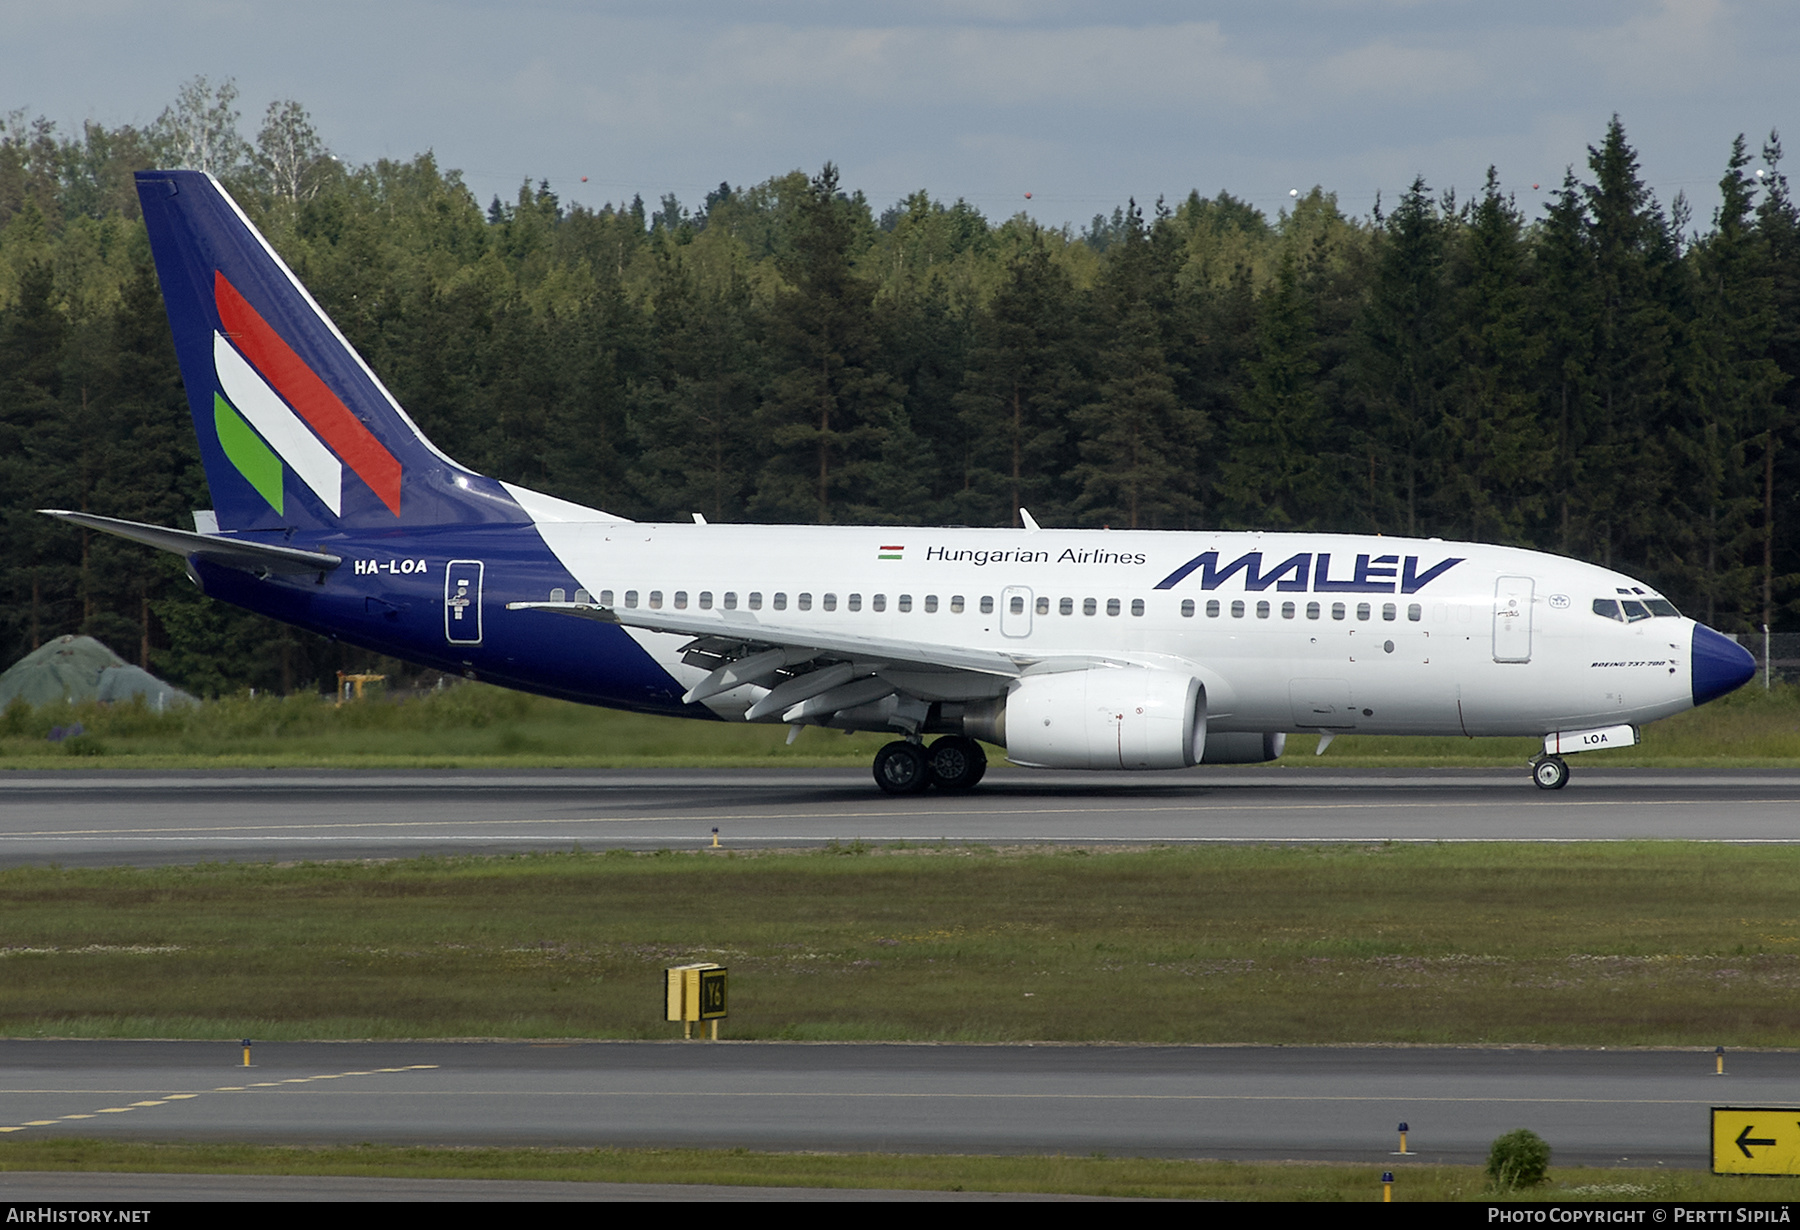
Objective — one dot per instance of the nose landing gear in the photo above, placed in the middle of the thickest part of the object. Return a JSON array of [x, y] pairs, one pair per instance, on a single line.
[[1550, 772]]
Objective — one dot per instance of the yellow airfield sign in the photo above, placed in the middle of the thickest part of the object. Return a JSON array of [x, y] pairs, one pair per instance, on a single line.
[[1756, 1140]]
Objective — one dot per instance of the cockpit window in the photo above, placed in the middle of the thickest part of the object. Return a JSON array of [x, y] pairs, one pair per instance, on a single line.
[[1634, 611], [1609, 608], [1662, 607]]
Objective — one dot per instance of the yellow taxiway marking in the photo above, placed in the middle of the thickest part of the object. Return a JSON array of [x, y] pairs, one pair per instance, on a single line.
[[173, 1097]]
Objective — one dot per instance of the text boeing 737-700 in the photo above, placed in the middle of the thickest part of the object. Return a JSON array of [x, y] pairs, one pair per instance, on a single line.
[[1079, 649]]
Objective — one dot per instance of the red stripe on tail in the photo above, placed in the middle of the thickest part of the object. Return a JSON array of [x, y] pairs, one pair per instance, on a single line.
[[306, 393]]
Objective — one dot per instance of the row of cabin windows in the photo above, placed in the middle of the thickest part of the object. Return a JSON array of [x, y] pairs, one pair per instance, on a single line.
[[854, 602], [779, 602], [1016, 604], [1289, 610]]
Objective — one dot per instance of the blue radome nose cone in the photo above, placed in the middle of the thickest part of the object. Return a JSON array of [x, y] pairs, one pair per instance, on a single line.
[[1721, 665]]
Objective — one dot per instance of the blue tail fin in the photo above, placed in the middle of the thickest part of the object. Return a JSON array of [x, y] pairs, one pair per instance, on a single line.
[[295, 431]]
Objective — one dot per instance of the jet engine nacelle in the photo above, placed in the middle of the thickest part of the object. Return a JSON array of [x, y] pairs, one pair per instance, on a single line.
[[1130, 718]]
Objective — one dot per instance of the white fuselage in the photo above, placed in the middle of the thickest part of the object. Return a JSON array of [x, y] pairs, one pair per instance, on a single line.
[[1333, 633]]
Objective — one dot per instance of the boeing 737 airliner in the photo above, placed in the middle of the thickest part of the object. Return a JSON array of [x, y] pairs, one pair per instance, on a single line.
[[1080, 649]]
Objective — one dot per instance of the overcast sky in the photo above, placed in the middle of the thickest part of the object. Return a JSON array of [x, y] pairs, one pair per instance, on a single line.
[[1080, 105]]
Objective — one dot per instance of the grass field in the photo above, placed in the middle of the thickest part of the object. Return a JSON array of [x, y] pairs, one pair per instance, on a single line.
[[1606, 944], [473, 725], [1085, 1176]]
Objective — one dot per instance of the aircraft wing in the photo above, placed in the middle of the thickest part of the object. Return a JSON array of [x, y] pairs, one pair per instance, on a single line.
[[812, 673], [258, 557]]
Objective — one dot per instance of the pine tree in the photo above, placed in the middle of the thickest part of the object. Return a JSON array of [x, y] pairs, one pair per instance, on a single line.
[[1020, 385], [1497, 458], [1634, 264], [1277, 469], [1778, 229], [693, 414], [1404, 358], [1729, 384], [1139, 441], [833, 418]]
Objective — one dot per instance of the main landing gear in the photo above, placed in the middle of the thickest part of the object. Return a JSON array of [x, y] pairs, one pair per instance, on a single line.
[[1549, 772], [954, 762]]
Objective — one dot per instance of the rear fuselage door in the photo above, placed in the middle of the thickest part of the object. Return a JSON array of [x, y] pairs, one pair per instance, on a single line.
[[462, 602], [1512, 619]]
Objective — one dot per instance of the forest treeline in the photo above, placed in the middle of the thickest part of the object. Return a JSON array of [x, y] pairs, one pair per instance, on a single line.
[[1610, 381]]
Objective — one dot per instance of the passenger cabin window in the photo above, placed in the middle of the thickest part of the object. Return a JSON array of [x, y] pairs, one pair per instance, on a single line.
[[987, 606], [1043, 606], [730, 601], [558, 595], [1415, 612], [829, 602], [878, 602], [780, 603], [681, 599], [905, 602], [1312, 610], [803, 601], [1187, 608], [956, 604], [1287, 610], [1262, 610], [1337, 610], [756, 600], [581, 595], [1137, 606], [656, 599], [930, 604], [1389, 611], [706, 599], [1362, 610], [1212, 608], [1017, 605], [1066, 606], [1112, 606], [854, 602], [631, 597], [1237, 609], [606, 597], [1089, 607]]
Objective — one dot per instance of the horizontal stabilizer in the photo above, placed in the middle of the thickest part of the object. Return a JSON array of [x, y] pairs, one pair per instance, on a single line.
[[257, 557]]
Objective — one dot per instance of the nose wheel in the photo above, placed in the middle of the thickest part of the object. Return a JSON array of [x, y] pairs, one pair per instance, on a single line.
[[1550, 772]]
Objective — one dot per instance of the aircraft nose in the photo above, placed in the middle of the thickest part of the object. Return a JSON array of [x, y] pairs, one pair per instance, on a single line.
[[1720, 665]]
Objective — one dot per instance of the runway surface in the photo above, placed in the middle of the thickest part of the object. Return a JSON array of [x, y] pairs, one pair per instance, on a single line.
[[1644, 1108], [113, 817]]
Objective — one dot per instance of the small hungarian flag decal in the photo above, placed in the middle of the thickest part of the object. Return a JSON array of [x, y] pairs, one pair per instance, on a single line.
[[890, 552]]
